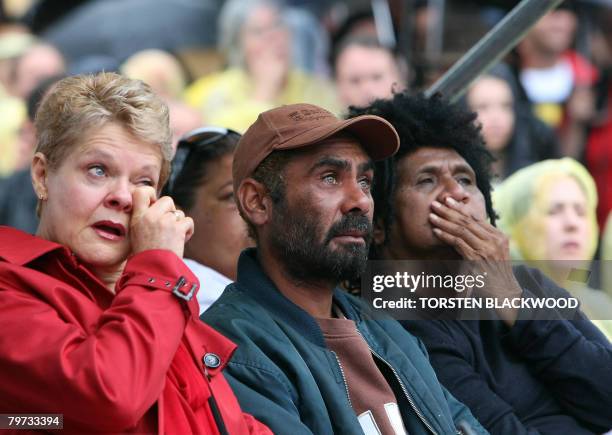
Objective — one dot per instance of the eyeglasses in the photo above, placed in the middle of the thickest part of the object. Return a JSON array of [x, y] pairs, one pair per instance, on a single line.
[[194, 140]]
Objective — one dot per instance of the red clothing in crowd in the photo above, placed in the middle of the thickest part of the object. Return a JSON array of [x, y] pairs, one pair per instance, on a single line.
[[138, 361], [599, 163], [585, 73]]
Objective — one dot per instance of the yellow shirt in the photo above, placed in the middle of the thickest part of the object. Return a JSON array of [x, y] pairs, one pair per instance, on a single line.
[[595, 304], [224, 98], [12, 115]]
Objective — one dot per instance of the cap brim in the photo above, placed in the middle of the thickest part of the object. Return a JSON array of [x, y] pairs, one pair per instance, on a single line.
[[375, 134]]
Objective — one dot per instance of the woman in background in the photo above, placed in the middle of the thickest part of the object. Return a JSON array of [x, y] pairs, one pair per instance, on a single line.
[[548, 211], [201, 186], [514, 136], [256, 41]]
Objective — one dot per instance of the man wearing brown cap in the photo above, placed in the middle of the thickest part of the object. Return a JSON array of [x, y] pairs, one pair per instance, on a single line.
[[309, 361]]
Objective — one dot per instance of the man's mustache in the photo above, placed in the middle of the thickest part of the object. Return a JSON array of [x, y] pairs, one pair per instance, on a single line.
[[350, 223]]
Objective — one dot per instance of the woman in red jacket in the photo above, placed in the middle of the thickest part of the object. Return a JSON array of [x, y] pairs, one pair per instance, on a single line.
[[99, 321]]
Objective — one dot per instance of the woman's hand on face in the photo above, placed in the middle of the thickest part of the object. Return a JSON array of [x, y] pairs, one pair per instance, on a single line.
[[485, 248], [156, 224], [472, 237]]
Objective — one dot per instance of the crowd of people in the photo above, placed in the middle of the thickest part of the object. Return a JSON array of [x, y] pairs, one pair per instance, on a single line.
[[182, 253]]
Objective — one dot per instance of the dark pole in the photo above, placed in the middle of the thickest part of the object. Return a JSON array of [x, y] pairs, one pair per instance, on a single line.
[[384, 23], [492, 47]]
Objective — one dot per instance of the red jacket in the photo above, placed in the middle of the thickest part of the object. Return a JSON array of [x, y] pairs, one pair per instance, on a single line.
[[599, 162], [137, 361]]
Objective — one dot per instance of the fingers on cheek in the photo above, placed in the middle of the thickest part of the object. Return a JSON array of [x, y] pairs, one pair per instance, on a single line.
[[148, 220], [458, 217], [190, 229], [151, 194], [145, 194], [459, 244], [436, 219], [441, 210], [184, 227], [453, 207], [162, 206], [443, 235], [450, 239], [451, 216], [165, 223], [442, 223], [466, 251]]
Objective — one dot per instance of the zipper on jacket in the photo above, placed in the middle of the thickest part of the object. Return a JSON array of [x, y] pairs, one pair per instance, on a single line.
[[406, 393], [343, 379]]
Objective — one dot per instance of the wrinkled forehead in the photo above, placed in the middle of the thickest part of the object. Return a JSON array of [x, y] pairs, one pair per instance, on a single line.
[[431, 159], [341, 156], [113, 142]]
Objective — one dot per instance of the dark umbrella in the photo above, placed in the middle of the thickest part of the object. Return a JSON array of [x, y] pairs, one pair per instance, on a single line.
[[120, 28]]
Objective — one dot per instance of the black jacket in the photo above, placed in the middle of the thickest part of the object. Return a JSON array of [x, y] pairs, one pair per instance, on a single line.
[[539, 377]]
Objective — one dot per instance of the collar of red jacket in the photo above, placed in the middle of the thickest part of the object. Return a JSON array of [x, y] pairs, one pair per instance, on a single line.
[[19, 248]]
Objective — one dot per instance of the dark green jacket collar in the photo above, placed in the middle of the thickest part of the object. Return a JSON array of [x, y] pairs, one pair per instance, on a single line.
[[253, 280]]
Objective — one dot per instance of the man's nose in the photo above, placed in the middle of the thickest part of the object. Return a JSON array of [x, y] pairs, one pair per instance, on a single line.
[[356, 199], [455, 190]]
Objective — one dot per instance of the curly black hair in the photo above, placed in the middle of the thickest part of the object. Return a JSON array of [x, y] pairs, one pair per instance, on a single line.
[[427, 122]]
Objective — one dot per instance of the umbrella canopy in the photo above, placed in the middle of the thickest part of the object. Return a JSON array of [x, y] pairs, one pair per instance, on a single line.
[[120, 28]]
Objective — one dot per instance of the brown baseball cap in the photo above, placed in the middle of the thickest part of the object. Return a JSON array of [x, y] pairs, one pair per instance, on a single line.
[[299, 125]]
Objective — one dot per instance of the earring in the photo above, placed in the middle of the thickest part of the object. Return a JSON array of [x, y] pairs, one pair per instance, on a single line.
[[42, 196]]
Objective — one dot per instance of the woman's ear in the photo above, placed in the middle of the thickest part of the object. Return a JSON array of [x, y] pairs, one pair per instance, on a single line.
[[254, 202], [39, 172]]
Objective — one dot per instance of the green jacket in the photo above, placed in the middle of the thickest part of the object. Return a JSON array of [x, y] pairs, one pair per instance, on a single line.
[[283, 373]]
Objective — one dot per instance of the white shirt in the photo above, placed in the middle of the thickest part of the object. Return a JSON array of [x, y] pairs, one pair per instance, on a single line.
[[549, 85], [212, 283]]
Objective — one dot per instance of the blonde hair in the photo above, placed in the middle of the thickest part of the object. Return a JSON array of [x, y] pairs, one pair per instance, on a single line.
[[519, 198], [77, 104], [158, 68]]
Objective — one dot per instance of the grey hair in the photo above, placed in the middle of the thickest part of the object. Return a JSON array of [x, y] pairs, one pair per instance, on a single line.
[[232, 17]]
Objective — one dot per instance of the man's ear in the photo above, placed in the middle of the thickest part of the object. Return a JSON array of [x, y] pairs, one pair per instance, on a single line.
[[254, 202], [379, 235], [39, 172]]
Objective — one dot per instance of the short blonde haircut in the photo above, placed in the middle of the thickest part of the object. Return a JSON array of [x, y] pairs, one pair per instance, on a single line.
[[78, 104]]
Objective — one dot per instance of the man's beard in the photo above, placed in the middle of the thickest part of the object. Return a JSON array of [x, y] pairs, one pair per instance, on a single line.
[[296, 238]]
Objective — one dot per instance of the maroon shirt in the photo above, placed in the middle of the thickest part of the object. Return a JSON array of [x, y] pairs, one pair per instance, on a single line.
[[371, 396]]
